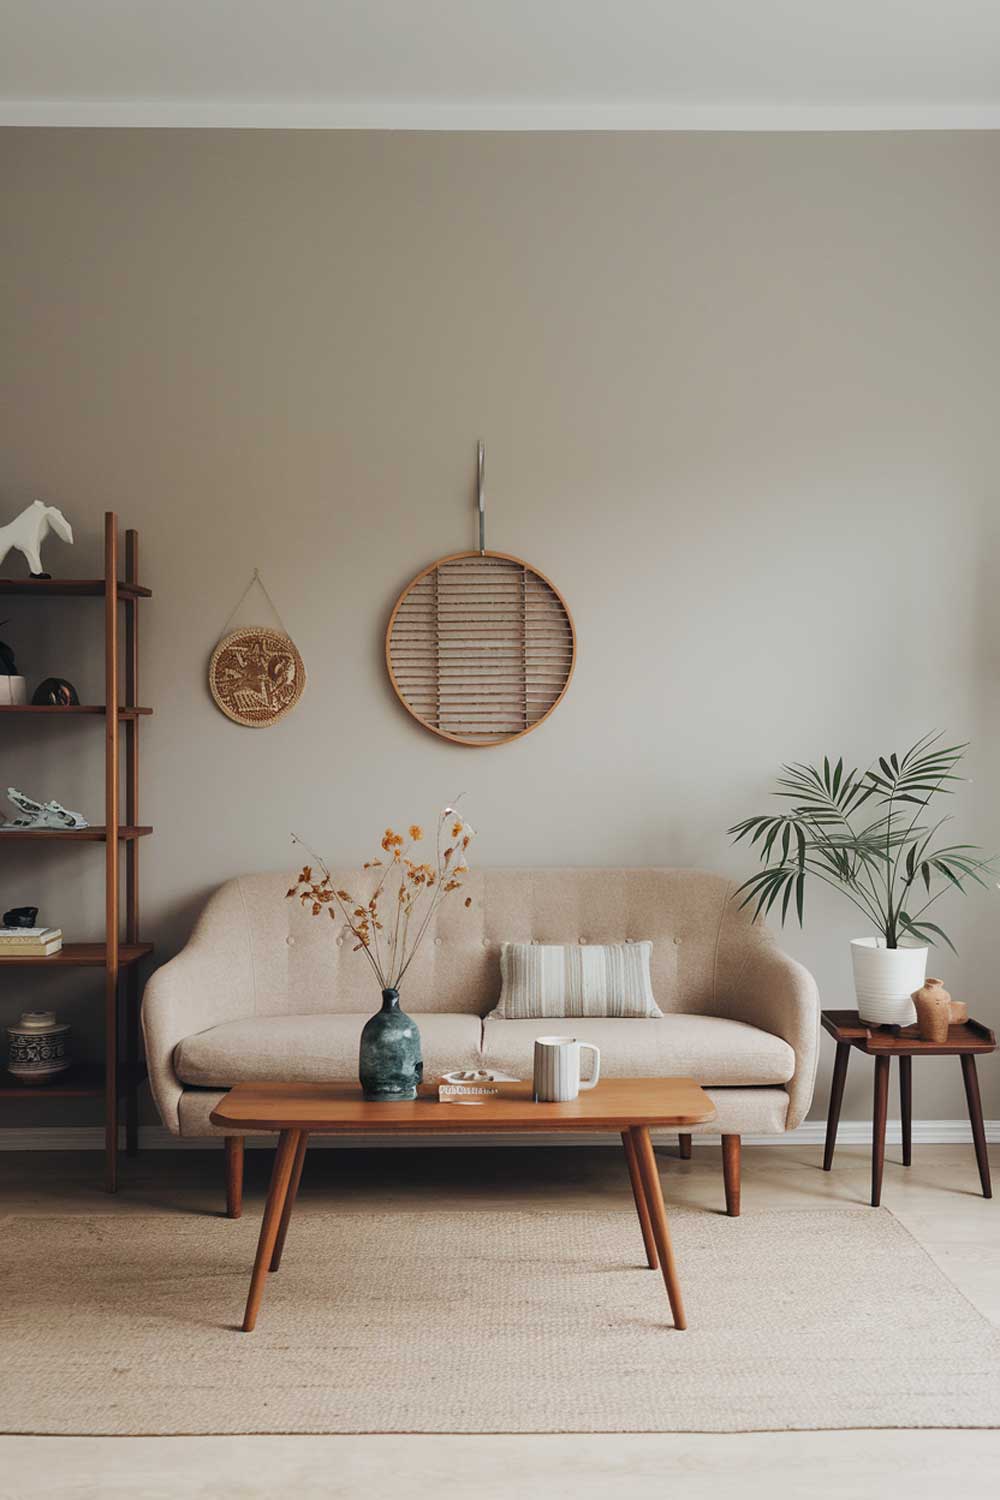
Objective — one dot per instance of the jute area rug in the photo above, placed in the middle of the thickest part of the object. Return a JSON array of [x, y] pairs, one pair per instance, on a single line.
[[486, 1322]]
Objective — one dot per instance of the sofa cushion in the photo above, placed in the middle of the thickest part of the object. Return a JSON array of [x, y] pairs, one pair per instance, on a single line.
[[575, 979], [705, 1048], [312, 1048]]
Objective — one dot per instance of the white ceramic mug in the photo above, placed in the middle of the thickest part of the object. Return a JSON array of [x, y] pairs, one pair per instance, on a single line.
[[557, 1068]]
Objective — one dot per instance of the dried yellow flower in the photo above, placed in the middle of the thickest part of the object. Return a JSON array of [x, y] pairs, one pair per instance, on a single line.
[[391, 963]]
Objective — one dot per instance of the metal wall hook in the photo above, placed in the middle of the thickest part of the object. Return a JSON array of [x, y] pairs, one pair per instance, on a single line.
[[481, 491]]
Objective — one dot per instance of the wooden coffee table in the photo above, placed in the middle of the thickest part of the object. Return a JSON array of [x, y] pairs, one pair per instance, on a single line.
[[298, 1110], [965, 1042]]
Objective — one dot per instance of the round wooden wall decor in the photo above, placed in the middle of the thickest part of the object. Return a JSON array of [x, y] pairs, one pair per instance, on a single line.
[[480, 648], [256, 676]]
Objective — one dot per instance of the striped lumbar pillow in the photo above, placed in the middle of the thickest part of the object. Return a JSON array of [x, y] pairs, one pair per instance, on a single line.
[[572, 979]]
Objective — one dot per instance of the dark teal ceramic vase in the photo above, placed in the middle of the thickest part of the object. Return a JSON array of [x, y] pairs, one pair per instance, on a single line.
[[391, 1064]]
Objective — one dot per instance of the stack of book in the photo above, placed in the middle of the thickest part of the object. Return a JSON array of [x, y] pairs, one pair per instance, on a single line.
[[29, 942]]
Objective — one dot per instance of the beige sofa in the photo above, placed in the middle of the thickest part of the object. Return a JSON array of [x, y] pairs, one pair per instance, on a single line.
[[263, 990]]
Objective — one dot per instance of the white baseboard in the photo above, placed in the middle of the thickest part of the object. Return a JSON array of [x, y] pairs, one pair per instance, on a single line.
[[810, 1133]]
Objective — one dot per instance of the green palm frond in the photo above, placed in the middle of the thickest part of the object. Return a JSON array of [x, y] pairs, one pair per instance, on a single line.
[[876, 864], [919, 775]]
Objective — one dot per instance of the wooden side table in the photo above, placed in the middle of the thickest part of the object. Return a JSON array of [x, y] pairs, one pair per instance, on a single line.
[[964, 1042]]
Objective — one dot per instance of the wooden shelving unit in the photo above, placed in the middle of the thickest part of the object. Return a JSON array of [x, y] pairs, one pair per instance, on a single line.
[[67, 710], [118, 1078], [92, 835], [82, 1081], [79, 956]]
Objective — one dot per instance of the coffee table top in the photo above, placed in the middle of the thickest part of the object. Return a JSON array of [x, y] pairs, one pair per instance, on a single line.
[[615, 1104], [846, 1026]]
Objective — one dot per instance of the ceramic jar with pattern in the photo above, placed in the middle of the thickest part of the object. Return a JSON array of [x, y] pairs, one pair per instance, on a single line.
[[38, 1047]]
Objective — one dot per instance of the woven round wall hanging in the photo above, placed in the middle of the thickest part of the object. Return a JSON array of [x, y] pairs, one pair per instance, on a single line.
[[480, 647], [256, 674]]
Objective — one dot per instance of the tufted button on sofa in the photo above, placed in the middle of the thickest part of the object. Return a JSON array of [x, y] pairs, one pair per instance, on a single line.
[[263, 990]]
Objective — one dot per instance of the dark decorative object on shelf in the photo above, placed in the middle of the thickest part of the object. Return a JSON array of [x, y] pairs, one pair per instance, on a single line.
[[20, 916], [8, 666], [56, 691], [390, 1065], [13, 688]]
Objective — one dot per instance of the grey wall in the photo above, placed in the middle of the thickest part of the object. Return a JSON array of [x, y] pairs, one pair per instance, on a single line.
[[740, 398]]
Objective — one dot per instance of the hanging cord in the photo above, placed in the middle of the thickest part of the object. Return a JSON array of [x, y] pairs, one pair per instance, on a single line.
[[255, 579], [481, 491]]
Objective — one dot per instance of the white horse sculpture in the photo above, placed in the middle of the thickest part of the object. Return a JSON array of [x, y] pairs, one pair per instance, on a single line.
[[28, 531]]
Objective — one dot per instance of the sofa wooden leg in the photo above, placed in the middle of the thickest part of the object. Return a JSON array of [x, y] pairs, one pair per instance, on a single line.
[[684, 1141], [234, 1176], [731, 1173]]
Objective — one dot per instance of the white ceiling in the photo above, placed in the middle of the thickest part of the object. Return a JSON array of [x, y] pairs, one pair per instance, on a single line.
[[503, 64]]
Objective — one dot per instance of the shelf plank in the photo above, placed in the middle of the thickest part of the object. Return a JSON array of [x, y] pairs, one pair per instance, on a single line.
[[75, 955], [71, 835], [91, 588], [81, 1081], [70, 708]]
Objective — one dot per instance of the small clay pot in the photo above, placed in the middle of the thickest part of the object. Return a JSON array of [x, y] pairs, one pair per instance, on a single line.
[[958, 1013], [933, 1006]]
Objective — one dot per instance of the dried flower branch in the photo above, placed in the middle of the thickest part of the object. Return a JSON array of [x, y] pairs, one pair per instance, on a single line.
[[419, 890]]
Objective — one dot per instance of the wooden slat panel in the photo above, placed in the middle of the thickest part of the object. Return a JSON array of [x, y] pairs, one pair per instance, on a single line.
[[480, 648]]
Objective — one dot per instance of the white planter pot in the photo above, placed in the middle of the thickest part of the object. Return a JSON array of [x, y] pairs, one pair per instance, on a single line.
[[884, 980], [13, 690]]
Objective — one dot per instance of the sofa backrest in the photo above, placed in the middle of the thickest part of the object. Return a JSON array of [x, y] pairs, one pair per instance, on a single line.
[[301, 963]]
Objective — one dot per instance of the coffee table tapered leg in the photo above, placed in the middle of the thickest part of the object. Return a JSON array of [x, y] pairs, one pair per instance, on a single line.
[[641, 1206], [284, 1160], [290, 1197], [658, 1216]]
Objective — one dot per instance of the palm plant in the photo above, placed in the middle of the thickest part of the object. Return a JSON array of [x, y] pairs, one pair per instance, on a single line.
[[884, 859]]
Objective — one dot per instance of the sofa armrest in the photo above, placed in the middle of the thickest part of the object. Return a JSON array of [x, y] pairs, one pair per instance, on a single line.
[[777, 994], [209, 981]]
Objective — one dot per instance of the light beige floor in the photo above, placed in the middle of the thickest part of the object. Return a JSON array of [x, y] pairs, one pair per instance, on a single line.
[[937, 1199]]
